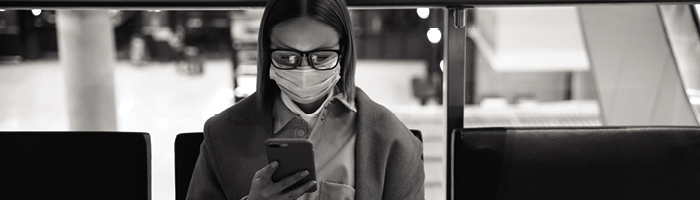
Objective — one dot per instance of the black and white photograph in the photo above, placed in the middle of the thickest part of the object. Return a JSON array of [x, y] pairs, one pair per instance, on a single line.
[[350, 99]]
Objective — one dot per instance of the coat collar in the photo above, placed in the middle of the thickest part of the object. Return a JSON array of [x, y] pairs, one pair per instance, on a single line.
[[251, 114]]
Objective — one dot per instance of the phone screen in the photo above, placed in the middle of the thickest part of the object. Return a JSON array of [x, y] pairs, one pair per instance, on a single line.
[[292, 155]]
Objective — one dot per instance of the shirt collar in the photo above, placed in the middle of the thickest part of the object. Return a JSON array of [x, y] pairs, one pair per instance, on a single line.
[[281, 114], [339, 96]]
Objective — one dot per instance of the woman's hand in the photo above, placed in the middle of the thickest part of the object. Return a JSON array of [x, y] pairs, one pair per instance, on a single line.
[[262, 186]]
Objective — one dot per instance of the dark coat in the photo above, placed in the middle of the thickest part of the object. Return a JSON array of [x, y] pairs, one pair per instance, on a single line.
[[388, 161]]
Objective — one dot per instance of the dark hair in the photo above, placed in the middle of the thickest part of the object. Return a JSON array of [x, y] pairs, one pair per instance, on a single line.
[[330, 12]]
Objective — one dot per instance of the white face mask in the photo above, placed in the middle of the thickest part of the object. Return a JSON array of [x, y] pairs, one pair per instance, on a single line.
[[305, 85]]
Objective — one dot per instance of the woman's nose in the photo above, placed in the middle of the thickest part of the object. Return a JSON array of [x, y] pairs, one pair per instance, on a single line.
[[304, 63]]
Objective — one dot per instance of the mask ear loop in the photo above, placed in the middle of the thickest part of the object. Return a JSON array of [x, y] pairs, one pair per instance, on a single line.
[[272, 74]]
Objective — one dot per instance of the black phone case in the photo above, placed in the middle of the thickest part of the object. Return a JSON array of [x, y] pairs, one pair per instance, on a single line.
[[292, 156]]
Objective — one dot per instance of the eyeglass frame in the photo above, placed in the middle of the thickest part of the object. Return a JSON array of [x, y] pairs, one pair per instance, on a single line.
[[308, 58]]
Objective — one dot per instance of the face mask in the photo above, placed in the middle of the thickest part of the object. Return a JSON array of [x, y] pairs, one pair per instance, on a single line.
[[305, 85]]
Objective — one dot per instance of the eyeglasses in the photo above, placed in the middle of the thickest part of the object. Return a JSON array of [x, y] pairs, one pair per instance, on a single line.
[[318, 59]]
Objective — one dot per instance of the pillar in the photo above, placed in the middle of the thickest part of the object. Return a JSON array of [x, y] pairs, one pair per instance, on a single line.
[[87, 55]]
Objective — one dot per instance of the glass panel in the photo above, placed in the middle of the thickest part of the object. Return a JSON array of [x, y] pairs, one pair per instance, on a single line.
[[681, 22], [531, 69], [535, 66], [172, 72], [175, 69]]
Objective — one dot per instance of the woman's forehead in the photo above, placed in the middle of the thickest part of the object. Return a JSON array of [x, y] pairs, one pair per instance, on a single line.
[[303, 34]]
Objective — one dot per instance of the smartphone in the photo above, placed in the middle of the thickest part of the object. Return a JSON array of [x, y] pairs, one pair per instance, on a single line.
[[292, 155]]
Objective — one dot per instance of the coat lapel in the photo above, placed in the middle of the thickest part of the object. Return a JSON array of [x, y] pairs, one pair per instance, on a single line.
[[238, 141], [368, 175]]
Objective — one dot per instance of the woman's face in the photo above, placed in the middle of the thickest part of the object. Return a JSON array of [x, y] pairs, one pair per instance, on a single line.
[[304, 34]]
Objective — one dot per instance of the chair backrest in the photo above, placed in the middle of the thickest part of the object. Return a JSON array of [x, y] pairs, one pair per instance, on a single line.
[[418, 134], [576, 163], [75, 165], [186, 153]]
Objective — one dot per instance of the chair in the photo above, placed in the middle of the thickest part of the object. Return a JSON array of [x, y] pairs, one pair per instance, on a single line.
[[186, 154], [418, 134], [576, 163], [187, 151], [75, 165]]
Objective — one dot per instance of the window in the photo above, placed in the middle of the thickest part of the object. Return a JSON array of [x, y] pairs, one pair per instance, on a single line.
[[588, 65]]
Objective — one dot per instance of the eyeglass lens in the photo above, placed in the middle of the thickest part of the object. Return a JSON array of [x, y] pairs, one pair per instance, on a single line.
[[318, 59]]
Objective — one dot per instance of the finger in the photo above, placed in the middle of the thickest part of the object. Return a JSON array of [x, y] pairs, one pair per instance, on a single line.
[[266, 172], [297, 192], [290, 180]]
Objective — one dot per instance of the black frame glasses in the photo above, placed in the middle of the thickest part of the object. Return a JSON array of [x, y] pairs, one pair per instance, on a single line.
[[308, 55]]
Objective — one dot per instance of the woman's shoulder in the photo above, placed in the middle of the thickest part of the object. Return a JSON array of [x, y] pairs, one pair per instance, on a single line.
[[368, 108], [374, 116], [241, 116], [363, 101], [380, 130], [240, 111]]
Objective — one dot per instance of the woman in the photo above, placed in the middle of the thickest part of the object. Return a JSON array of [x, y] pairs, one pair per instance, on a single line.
[[306, 89]]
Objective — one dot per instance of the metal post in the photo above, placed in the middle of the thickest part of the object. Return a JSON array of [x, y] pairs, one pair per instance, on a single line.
[[87, 55], [455, 48]]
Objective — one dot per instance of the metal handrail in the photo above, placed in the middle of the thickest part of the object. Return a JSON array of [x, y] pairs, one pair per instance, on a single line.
[[234, 4]]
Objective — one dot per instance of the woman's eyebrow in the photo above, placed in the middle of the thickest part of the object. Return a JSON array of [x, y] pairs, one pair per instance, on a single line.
[[276, 43], [283, 46]]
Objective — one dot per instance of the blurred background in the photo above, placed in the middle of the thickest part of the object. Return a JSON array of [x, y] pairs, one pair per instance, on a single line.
[[172, 70]]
